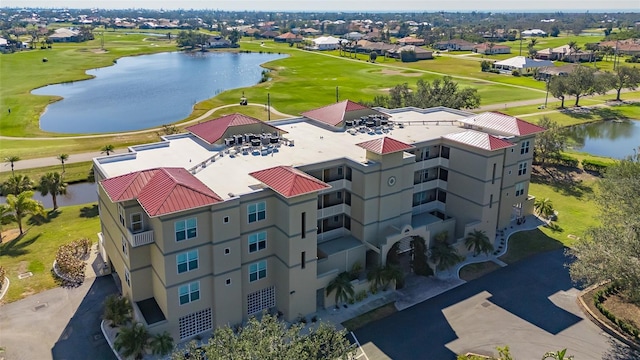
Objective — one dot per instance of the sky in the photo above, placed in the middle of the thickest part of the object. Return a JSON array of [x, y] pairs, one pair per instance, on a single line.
[[342, 5]]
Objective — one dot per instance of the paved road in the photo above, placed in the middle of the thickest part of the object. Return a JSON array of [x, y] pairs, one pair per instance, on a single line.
[[529, 306], [61, 323]]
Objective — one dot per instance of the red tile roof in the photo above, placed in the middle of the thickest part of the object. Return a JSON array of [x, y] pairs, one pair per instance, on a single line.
[[385, 145], [335, 113], [161, 191], [288, 181], [480, 140], [503, 123], [213, 130]]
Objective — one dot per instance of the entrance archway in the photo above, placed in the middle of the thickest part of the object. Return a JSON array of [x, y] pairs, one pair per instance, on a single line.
[[401, 255]]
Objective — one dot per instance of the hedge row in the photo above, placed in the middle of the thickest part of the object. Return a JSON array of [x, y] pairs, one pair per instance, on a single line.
[[565, 160], [598, 299], [595, 165]]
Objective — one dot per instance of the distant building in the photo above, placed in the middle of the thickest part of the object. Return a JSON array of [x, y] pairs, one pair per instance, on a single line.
[[520, 63], [65, 35], [491, 48], [288, 37], [326, 43], [421, 53], [564, 53], [218, 42], [410, 41], [534, 32], [454, 45]]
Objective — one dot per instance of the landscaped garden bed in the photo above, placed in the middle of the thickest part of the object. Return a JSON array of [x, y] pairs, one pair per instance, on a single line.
[[611, 308], [70, 262]]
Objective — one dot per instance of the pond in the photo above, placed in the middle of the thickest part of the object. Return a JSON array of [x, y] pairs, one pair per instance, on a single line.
[[616, 139], [147, 91], [80, 193]]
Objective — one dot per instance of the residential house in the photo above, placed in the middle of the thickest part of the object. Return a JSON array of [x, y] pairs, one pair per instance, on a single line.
[[65, 35], [565, 53], [288, 37], [491, 49], [326, 43], [534, 32], [547, 72], [218, 41], [354, 35], [421, 53], [238, 216], [521, 64], [454, 45], [269, 34], [410, 41]]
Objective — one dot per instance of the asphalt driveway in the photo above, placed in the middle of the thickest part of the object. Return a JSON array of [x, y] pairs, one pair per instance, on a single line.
[[530, 306]]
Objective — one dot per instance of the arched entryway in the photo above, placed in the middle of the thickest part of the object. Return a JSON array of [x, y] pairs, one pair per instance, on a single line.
[[401, 255]]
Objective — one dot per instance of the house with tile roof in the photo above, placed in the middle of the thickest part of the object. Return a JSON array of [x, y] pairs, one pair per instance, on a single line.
[[238, 216]]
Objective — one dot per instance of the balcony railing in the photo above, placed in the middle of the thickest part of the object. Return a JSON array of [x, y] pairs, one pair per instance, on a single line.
[[140, 238]]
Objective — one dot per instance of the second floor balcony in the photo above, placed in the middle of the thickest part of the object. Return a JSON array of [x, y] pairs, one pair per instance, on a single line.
[[140, 238]]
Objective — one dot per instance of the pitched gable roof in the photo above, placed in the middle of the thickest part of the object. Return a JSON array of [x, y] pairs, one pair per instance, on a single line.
[[161, 191], [479, 139], [502, 123], [335, 113], [288, 181], [213, 130], [384, 145]]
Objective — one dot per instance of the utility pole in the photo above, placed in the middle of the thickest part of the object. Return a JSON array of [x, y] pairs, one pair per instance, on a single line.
[[268, 107], [337, 97], [520, 42], [546, 97]]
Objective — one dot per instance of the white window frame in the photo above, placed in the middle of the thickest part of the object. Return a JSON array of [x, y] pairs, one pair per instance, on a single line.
[[134, 223], [258, 240], [127, 277], [258, 269], [519, 189], [522, 168], [125, 246], [191, 291], [256, 209], [121, 214], [188, 226], [188, 258], [524, 147]]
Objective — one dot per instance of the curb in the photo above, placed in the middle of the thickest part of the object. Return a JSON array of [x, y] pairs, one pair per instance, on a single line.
[[106, 336], [5, 288], [601, 324], [64, 276]]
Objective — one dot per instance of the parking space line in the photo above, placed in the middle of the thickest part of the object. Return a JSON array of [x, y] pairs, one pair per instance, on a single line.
[[359, 346]]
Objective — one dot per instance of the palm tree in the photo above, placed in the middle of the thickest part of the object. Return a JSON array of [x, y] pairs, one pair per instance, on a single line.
[[132, 340], [442, 253], [161, 344], [6, 216], [17, 184], [533, 42], [342, 286], [12, 160], [52, 183], [479, 242], [376, 276], [490, 46], [23, 205], [392, 273], [108, 149], [543, 207], [117, 309], [63, 158]]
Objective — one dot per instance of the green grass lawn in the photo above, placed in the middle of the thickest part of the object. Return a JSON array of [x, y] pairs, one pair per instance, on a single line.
[[35, 250], [474, 271], [74, 172], [527, 243]]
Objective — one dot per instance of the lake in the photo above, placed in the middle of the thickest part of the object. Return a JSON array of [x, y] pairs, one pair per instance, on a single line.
[[606, 138], [147, 91]]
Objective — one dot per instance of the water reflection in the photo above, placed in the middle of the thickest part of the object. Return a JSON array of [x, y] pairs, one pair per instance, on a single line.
[[615, 139]]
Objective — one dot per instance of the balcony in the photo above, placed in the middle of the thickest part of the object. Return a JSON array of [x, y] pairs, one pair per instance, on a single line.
[[140, 238], [334, 210]]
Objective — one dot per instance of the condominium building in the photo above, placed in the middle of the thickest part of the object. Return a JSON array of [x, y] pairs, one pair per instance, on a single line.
[[237, 216]]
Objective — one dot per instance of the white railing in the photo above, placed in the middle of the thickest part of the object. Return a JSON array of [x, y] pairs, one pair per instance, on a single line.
[[140, 238]]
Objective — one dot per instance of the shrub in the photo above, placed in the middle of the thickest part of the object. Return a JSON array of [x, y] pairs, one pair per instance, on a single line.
[[361, 295], [598, 299], [3, 273], [485, 65], [515, 73], [566, 160], [69, 259], [595, 165], [408, 56]]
